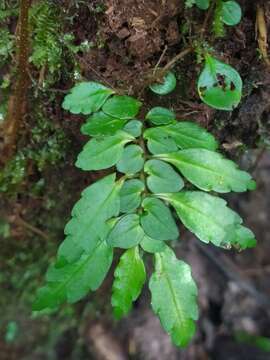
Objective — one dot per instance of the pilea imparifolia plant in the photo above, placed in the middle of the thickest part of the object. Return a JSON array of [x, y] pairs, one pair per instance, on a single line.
[[162, 172]]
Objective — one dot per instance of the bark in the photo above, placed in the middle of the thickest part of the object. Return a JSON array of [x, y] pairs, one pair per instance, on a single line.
[[17, 101]]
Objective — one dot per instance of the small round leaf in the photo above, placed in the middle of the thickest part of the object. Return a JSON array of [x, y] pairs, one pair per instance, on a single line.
[[131, 161], [134, 128], [152, 245], [168, 85], [86, 97], [130, 195], [122, 107], [231, 13], [202, 4], [160, 116], [219, 85], [102, 124], [162, 177]]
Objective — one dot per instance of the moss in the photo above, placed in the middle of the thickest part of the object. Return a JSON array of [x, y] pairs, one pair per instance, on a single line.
[[47, 147]]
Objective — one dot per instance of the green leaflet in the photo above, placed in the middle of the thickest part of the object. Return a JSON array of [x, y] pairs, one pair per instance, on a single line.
[[86, 97], [185, 135], [134, 128], [88, 223], [244, 238], [131, 160], [102, 124], [151, 245], [231, 13], [189, 135], [209, 170], [206, 216], [122, 107], [219, 85], [126, 233], [168, 85], [160, 115], [158, 142], [130, 195], [157, 221], [174, 297], [129, 277], [102, 153], [74, 280], [202, 4], [162, 177]]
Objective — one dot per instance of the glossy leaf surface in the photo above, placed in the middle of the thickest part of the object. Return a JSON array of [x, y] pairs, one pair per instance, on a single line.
[[130, 195], [158, 142], [74, 280], [157, 220], [102, 124], [209, 170], [174, 297], [219, 85], [102, 153], [131, 160], [231, 13], [160, 115], [122, 107], [167, 86], [86, 98], [162, 177], [206, 216], [126, 233], [129, 277]]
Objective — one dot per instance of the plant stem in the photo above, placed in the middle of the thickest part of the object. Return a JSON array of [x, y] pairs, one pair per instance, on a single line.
[[17, 101]]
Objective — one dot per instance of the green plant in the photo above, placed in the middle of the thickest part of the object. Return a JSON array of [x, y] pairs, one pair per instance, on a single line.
[[163, 169], [46, 147], [51, 46], [219, 85], [6, 45]]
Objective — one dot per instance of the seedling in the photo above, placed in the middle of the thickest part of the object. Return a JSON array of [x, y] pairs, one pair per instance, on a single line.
[[163, 171]]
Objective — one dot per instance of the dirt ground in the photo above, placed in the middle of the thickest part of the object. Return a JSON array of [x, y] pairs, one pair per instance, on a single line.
[[234, 288]]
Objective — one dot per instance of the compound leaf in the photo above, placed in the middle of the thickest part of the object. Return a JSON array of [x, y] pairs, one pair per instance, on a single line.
[[99, 202], [74, 280], [122, 107], [206, 216], [129, 277], [152, 245], [209, 170], [188, 135], [134, 128], [158, 142], [219, 85], [162, 177], [126, 233], [174, 295], [167, 86], [160, 115], [231, 13], [86, 97], [131, 161], [102, 153], [130, 195], [157, 220], [102, 124]]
